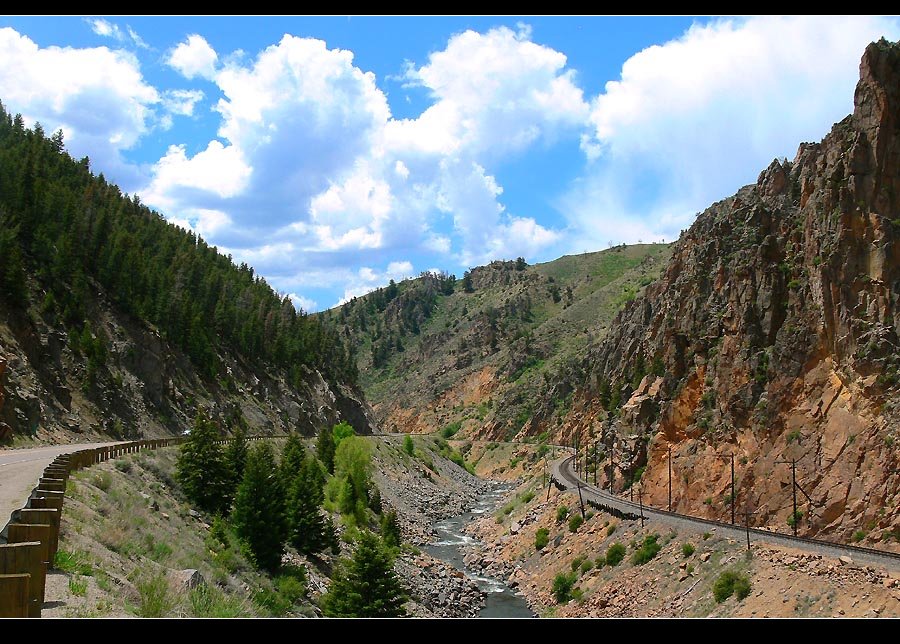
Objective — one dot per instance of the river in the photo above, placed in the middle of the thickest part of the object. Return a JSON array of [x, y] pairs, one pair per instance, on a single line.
[[451, 545]]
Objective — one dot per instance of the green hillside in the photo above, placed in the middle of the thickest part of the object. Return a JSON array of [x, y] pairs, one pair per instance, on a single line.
[[436, 350]]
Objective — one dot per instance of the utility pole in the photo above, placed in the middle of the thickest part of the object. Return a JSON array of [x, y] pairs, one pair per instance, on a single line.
[[670, 479], [794, 492], [581, 500], [747, 527], [595, 464], [612, 446], [641, 502]]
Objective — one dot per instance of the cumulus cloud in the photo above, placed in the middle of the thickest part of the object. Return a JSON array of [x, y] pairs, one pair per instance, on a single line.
[[303, 303], [693, 119], [181, 101], [194, 57], [109, 29], [96, 95]]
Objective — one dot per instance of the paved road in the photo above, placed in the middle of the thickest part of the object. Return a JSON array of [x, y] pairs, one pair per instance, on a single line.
[[563, 473], [20, 470]]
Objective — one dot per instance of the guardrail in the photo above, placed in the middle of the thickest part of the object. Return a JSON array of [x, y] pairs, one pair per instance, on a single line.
[[32, 534]]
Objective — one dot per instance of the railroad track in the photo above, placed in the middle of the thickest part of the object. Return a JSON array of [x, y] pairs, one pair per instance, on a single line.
[[565, 477]]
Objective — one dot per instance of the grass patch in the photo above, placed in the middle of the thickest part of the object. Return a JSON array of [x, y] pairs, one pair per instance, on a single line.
[[102, 480], [72, 562], [156, 597], [288, 588], [209, 601], [78, 586], [729, 583], [527, 497]]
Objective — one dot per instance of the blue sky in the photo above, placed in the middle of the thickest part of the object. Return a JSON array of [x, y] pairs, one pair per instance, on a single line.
[[334, 154]]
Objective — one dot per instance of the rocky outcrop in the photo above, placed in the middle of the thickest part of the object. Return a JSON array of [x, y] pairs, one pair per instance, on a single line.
[[774, 334]]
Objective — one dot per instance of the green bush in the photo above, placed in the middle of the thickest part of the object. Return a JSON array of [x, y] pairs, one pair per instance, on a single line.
[[102, 480], [78, 586], [687, 549], [527, 497], [156, 597], [586, 565], [562, 587], [209, 601], [408, 446], [72, 562], [729, 583], [575, 522], [561, 513], [706, 535], [449, 431], [859, 535], [288, 589], [122, 465], [541, 538], [615, 554], [611, 529], [647, 550]]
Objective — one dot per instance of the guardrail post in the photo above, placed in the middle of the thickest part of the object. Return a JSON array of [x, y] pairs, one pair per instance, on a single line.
[[46, 516], [26, 558], [14, 595]]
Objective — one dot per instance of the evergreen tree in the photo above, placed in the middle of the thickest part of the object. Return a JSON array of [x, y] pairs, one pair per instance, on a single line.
[[467, 283], [201, 470], [408, 445], [325, 449], [307, 528], [390, 529], [258, 514], [366, 585], [293, 456], [236, 458]]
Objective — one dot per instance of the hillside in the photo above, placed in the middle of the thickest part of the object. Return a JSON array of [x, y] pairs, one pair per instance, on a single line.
[[772, 335], [474, 354], [114, 322]]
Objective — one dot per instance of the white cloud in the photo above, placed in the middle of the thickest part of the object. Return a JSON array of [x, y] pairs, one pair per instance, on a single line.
[[96, 95], [181, 101], [194, 57], [135, 38], [304, 303], [105, 28], [697, 117], [368, 279]]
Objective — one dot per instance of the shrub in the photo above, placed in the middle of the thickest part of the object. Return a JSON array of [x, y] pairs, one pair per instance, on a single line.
[[687, 549], [561, 513], [586, 565], [859, 535], [408, 446], [794, 519], [575, 522], [527, 497], [449, 431], [600, 561], [209, 601], [706, 535], [288, 588], [102, 480], [615, 554], [731, 582], [72, 562], [611, 529], [647, 550], [122, 465], [541, 538], [156, 597], [562, 587]]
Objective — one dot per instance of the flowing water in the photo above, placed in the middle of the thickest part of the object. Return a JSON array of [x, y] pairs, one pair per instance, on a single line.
[[451, 545]]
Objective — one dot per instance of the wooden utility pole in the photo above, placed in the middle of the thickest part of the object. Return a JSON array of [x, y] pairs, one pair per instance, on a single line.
[[670, 479], [581, 500], [733, 494], [641, 502]]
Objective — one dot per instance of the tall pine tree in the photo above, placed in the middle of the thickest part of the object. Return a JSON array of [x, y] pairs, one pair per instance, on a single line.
[[308, 530], [325, 449], [366, 585], [258, 514], [236, 458], [201, 469]]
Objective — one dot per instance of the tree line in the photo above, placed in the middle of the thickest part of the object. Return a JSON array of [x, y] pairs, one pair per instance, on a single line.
[[70, 229]]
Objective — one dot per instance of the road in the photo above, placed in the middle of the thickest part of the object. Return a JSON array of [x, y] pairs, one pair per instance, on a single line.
[[20, 470], [564, 474]]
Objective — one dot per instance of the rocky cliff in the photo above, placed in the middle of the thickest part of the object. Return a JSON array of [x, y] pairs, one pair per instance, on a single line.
[[146, 387], [773, 335]]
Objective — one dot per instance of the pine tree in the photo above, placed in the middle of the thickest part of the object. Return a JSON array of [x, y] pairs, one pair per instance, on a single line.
[[201, 469], [307, 529], [366, 585], [325, 449], [236, 458], [258, 514], [408, 445], [293, 456], [390, 529], [467, 283]]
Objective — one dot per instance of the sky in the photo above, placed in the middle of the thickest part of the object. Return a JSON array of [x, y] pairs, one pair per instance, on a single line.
[[335, 154]]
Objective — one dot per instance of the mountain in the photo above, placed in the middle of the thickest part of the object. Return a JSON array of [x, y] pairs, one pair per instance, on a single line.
[[475, 354], [115, 323], [773, 332]]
